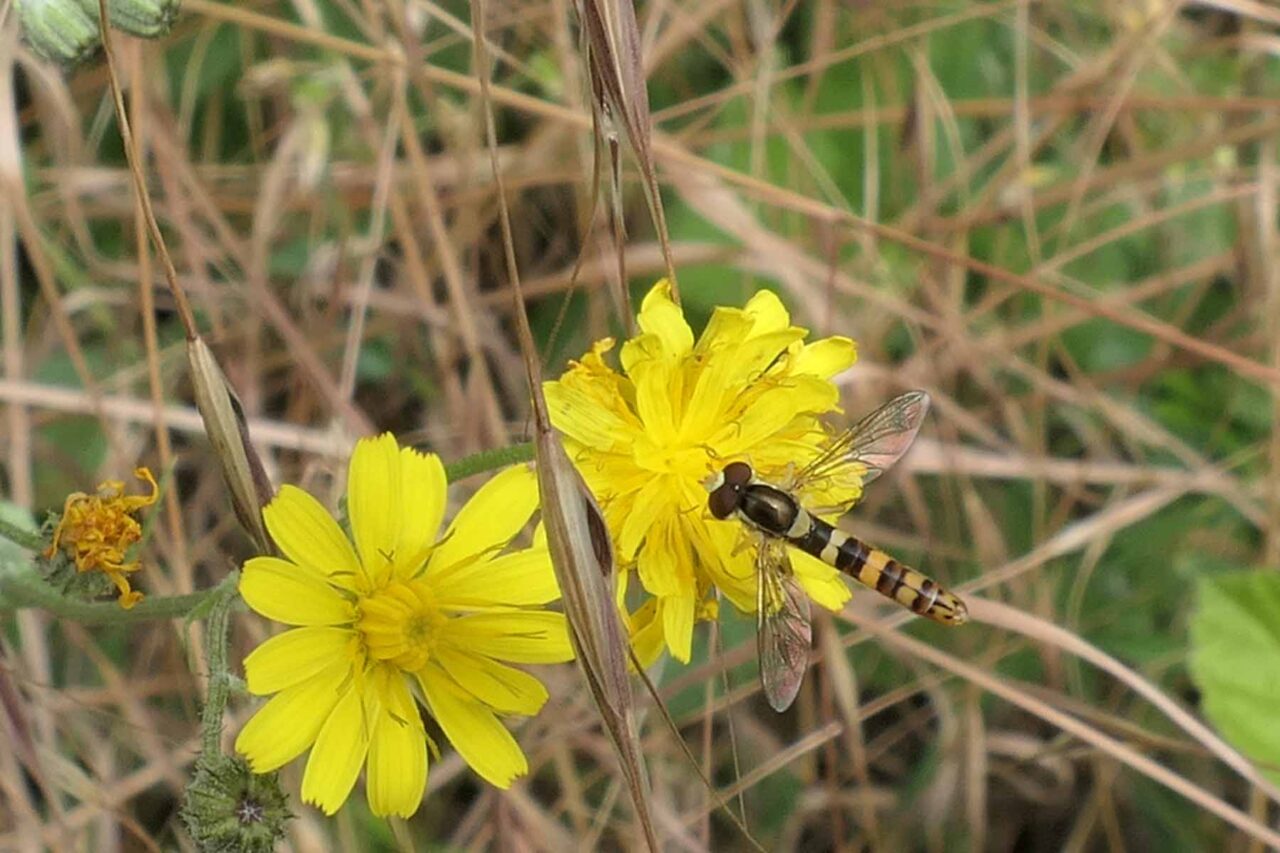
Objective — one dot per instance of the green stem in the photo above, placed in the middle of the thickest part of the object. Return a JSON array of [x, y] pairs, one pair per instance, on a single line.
[[488, 460], [219, 682], [23, 589], [29, 539]]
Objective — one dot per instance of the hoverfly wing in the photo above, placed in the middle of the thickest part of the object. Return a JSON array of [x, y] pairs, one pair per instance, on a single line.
[[886, 434], [877, 441], [783, 633]]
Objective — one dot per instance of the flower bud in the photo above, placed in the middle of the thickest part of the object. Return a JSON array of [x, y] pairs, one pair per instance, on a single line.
[[66, 31], [228, 807], [145, 18], [59, 30]]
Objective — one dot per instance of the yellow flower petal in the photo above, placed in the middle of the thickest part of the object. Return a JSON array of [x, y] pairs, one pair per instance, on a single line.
[[307, 534], [339, 752], [294, 656], [759, 353], [519, 637], [727, 552], [481, 740], [826, 358], [727, 328], [677, 624], [292, 594], [658, 386], [503, 688], [605, 429], [397, 753], [786, 449], [612, 477], [289, 723], [731, 383], [519, 579], [495, 514], [646, 633], [767, 311], [666, 562], [757, 424], [373, 495], [653, 499], [823, 583], [423, 497], [591, 401], [661, 316]]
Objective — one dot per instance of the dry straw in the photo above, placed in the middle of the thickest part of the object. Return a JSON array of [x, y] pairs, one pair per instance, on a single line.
[[581, 550]]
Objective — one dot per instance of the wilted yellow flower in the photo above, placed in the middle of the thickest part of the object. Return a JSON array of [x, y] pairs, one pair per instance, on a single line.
[[396, 616], [645, 439], [97, 531]]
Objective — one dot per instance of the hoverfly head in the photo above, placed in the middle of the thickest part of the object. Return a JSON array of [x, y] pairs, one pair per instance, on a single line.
[[726, 488]]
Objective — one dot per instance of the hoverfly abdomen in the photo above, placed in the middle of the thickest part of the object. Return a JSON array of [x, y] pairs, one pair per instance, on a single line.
[[817, 540]]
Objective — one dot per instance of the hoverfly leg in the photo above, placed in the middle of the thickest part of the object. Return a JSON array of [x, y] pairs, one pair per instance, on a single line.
[[789, 478], [744, 544]]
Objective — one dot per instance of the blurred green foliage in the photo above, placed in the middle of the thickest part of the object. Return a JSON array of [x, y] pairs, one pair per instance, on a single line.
[[1235, 660]]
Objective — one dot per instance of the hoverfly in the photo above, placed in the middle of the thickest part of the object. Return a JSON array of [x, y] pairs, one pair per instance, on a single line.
[[783, 633]]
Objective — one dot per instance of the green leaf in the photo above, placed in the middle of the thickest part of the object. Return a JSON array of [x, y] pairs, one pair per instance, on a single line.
[[1235, 661]]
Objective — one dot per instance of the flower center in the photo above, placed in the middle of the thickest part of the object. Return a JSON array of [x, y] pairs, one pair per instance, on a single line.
[[400, 623], [677, 458]]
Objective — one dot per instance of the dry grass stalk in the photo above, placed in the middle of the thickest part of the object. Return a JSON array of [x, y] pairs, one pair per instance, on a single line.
[[581, 549], [615, 69]]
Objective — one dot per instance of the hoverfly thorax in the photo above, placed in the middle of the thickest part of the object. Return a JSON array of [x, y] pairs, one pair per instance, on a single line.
[[770, 509]]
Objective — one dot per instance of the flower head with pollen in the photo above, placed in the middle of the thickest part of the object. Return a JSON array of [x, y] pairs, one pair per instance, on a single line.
[[96, 532], [646, 438], [393, 617]]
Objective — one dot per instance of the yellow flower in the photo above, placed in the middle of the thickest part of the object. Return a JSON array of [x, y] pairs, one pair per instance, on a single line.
[[645, 439], [393, 617], [97, 531]]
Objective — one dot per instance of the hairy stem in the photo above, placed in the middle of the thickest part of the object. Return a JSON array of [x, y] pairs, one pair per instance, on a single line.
[[488, 460], [29, 539], [25, 589], [219, 682]]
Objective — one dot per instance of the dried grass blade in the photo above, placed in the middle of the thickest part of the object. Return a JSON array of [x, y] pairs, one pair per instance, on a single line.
[[578, 538], [994, 613], [1014, 694], [611, 43], [618, 225], [582, 555], [721, 801], [18, 728], [221, 412], [228, 432]]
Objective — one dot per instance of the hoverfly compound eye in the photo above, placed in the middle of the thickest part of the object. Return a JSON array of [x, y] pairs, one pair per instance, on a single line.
[[726, 493], [723, 500], [737, 474]]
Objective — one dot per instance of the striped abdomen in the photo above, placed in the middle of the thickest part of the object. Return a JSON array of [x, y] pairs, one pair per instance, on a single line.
[[874, 568]]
